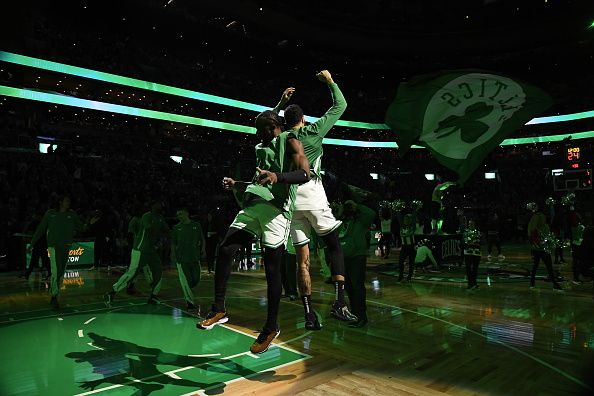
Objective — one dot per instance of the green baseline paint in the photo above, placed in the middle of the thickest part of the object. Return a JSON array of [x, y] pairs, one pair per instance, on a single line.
[[144, 342], [29, 61], [66, 100]]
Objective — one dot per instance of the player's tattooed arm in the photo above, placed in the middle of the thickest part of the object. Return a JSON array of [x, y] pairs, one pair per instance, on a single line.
[[300, 165]]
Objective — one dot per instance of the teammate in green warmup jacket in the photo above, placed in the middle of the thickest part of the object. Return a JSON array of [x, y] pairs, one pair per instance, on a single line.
[[144, 255], [187, 246], [59, 226], [134, 229], [354, 239]]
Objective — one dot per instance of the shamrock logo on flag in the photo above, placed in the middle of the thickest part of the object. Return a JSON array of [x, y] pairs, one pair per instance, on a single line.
[[469, 124], [460, 116]]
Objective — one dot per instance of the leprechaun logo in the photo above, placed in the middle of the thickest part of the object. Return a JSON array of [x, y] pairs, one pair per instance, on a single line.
[[468, 111], [461, 115]]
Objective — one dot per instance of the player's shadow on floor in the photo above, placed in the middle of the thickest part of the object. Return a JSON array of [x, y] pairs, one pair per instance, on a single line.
[[125, 363]]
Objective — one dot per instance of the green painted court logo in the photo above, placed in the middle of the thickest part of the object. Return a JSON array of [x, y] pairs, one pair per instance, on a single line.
[[468, 111]]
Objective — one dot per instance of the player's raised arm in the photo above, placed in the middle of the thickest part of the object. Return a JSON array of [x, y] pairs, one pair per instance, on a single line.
[[339, 105], [285, 98]]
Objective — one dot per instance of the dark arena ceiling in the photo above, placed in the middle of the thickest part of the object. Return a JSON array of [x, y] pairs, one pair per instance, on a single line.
[[371, 46]]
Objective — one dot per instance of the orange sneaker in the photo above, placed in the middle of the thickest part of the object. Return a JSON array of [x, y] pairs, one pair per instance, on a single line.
[[213, 318], [264, 340]]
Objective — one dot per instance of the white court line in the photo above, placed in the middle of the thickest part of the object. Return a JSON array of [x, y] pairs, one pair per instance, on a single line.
[[172, 374], [60, 319], [296, 338], [168, 373], [94, 346], [76, 313], [280, 345], [101, 390], [90, 320], [206, 355], [202, 364], [80, 334]]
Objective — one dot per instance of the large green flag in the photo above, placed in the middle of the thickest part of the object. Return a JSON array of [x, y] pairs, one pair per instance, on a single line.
[[460, 116]]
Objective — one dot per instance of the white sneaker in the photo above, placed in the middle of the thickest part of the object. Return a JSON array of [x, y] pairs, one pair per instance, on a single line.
[[489, 258], [501, 257]]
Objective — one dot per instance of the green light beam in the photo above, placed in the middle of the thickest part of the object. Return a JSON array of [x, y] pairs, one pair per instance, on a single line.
[[28, 61], [561, 118], [548, 138], [47, 97], [151, 86], [65, 100]]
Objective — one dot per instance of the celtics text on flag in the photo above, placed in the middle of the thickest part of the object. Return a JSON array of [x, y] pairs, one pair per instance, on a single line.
[[461, 116]]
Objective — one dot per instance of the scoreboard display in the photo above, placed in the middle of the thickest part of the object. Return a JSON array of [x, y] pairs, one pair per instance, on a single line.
[[573, 154]]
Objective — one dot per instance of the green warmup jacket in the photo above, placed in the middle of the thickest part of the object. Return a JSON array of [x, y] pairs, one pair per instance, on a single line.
[[354, 233], [134, 227], [152, 227], [274, 157], [188, 241], [59, 226]]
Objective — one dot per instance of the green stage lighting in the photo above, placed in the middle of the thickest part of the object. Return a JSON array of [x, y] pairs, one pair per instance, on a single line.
[[39, 96]]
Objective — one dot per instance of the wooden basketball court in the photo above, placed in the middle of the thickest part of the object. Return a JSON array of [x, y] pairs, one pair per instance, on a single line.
[[430, 337]]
